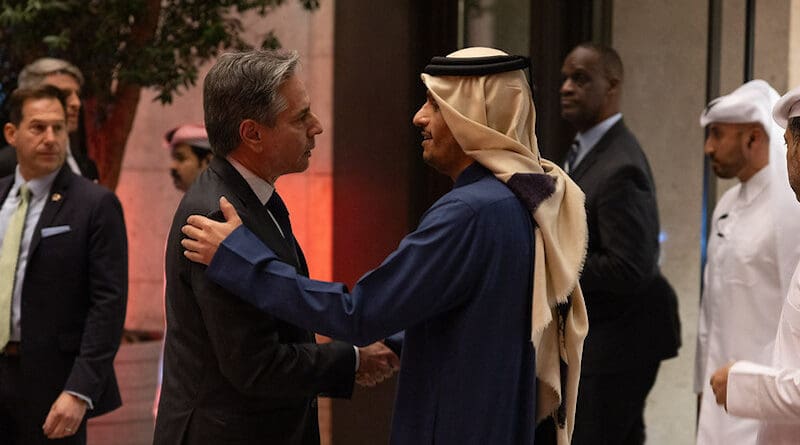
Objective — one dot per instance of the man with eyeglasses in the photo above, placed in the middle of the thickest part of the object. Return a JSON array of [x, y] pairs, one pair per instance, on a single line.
[[753, 247]]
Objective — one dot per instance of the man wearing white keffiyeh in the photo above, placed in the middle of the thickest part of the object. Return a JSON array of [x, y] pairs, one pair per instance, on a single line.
[[486, 287]]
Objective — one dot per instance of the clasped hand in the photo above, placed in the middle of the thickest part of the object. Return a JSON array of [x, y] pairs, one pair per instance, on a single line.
[[376, 363]]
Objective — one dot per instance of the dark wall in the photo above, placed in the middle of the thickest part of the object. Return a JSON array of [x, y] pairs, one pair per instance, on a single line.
[[556, 27], [381, 186], [373, 133]]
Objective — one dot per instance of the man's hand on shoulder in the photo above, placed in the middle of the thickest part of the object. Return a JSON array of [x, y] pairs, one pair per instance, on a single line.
[[65, 416], [376, 363], [204, 235]]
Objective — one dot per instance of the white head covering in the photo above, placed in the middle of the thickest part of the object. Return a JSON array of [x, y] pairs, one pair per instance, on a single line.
[[785, 205], [750, 103], [492, 116], [787, 107], [754, 102]]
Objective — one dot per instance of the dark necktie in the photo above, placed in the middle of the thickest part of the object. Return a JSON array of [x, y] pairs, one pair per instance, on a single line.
[[572, 156], [278, 210]]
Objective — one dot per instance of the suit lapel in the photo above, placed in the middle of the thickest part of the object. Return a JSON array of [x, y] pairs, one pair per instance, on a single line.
[[597, 151], [253, 214], [5, 187], [59, 193]]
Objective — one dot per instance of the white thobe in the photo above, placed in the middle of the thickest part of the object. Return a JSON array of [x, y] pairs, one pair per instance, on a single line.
[[742, 299], [772, 394]]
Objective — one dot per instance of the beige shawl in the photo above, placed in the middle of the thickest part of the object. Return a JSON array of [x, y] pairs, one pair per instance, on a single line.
[[493, 119]]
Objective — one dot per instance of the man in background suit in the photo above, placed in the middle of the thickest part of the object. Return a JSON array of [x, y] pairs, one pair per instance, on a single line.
[[69, 79], [232, 374], [63, 283], [633, 320]]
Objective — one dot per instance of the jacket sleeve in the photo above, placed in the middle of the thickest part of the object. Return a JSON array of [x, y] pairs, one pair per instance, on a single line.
[[256, 361], [433, 270], [108, 292]]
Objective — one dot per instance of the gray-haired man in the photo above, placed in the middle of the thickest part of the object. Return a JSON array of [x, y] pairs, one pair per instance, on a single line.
[[233, 374]]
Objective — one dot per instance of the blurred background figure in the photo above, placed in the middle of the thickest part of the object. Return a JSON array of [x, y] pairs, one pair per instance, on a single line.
[[752, 250], [771, 394], [633, 311], [190, 153]]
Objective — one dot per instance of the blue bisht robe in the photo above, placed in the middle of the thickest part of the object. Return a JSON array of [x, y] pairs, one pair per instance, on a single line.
[[460, 285]]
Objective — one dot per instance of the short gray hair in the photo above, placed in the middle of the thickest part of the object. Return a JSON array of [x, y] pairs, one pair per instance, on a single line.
[[34, 74], [244, 85]]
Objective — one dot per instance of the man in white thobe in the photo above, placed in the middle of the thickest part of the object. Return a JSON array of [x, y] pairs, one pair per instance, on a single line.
[[772, 393], [754, 244]]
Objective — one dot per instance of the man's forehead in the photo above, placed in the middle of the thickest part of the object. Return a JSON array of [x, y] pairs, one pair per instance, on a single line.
[[584, 56], [732, 125], [44, 105]]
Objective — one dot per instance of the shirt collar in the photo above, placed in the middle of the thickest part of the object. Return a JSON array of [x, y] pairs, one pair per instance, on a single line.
[[471, 174], [260, 187], [753, 186], [38, 187], [592, 136]]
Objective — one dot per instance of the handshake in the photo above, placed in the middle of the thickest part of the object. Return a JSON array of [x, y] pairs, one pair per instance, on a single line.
[[376, 363]]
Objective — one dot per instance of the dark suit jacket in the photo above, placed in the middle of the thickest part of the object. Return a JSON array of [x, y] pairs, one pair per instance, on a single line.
[[233, 374], [73, 296], [633, 319], [8, 163]]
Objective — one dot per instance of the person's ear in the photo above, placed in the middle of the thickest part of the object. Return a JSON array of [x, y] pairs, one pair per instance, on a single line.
[[251, 134], [614, 85], [10, 133]]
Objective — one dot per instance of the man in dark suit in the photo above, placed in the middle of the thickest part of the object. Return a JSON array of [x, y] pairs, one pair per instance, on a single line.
[[633, 321], [69, 79], [232, 374], [63, 283]]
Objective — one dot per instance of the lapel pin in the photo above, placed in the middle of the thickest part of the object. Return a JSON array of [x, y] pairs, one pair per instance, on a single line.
[[56, 197]]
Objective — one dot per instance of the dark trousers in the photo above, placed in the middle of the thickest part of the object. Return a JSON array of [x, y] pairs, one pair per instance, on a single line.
[[17, 425], [610, 409]]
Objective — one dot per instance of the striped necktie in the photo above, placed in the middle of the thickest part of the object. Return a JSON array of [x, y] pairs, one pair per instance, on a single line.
[[9, 254]]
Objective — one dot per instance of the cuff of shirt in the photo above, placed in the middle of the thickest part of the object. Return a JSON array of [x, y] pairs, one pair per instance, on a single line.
[[357, 357], [88, 401], [743, 388]]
